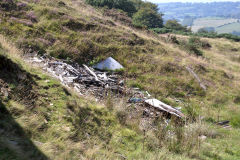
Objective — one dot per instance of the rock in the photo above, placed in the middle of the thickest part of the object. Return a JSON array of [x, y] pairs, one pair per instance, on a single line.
[[1, 131], [202, 137], [135, 100], [45, 121], [37, 143], [68, 129], [12, 142]]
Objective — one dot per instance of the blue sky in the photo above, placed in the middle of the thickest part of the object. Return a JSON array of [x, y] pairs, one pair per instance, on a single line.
[[163, 1]]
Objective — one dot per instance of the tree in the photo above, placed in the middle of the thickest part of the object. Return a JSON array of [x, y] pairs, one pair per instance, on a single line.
[[125, 5], [148, 18], [174, 25], [206, 30], [141, 4]]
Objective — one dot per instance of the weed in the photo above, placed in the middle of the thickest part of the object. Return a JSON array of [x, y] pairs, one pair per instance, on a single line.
[[235, 120]]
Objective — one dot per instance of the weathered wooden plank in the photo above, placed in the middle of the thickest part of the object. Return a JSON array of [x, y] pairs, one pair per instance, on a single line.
[[164, 107], [197, 78]]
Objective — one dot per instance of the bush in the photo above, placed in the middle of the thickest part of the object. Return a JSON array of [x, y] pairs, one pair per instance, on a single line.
[[161, 30], [125, 5], [174, 25], [193, 46], [173, 39], [206, 30], [147, 18], [229, 36]]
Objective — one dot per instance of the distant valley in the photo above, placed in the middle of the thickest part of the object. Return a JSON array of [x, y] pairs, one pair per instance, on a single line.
[[220, 17]]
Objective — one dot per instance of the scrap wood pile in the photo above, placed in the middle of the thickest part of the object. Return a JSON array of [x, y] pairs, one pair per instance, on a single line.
[[84, 79]]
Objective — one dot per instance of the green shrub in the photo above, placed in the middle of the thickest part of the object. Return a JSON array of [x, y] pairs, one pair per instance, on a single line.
[[206, 30], [193, 46], [174, 25], [161, 30], [229, 36], [173, 39]]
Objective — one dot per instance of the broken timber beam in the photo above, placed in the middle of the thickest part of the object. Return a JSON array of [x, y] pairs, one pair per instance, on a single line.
[[164, 107], [91, 72], [197, 78]]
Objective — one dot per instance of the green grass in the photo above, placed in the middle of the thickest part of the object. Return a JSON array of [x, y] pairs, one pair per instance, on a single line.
[[60, 121]]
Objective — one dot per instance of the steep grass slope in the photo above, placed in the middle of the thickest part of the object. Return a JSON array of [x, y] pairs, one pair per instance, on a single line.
[[41, 119], [69, 127]]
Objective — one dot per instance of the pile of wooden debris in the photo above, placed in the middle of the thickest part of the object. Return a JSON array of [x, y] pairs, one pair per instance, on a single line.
[[85, 80]]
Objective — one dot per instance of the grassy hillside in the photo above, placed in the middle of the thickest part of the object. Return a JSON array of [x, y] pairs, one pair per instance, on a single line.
[[44, 120], [58, 124]]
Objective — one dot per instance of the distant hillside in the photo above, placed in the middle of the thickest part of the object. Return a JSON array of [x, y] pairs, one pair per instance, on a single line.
[[181, 11]]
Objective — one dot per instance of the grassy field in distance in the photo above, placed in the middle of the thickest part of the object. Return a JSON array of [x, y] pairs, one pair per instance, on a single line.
[[211, 22], [229, 28]]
